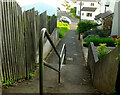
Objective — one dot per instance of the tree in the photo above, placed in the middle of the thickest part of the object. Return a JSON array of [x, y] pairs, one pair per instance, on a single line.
[[86, 25]]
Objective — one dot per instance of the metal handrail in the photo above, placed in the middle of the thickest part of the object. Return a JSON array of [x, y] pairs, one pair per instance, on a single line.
[[62, 56]]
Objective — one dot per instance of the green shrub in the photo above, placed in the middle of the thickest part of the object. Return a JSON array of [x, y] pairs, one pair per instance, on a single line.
[[62, 31], [102, 51], [73, 10], [78, 17], [97, 41], [48, 18], [63, 28], [96, 31], [86, 25], [117, 42]]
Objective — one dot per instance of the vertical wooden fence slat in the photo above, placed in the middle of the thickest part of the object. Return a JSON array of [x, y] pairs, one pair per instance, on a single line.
[[19, 39]]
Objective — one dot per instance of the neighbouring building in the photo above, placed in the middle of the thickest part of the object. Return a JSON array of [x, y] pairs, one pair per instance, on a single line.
[[89, 9], [116, 20], [105, 18]]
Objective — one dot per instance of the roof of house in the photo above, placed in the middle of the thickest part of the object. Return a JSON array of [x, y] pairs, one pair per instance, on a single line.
[[88, 9], [98, 16], [90, 0], [103, 15]]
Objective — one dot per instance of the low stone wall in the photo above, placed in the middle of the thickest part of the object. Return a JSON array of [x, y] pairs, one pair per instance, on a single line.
[[104, 71], [92, 58], [47, 46]]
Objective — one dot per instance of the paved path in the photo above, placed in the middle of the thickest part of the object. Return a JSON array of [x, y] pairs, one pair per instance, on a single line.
[[75, 76]]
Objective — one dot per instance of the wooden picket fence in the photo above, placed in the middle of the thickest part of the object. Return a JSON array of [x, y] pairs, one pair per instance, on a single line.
[[19, 40]]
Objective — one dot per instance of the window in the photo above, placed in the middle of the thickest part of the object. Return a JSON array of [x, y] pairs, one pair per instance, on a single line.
[[82, 14], [92, 4], [89, 15]]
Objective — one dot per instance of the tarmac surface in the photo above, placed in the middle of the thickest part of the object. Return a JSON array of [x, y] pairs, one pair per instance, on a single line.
[[75, 77]]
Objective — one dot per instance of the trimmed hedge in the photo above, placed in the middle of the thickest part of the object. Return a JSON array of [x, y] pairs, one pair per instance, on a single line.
[[97, 41], [96, 31]]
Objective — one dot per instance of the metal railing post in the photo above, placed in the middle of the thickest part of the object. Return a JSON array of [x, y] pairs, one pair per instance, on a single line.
[[65, 54], [42, 63], [59, 73]]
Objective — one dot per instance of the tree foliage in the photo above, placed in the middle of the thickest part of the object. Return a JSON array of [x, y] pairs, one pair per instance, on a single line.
[[73, 10], [86, 25]]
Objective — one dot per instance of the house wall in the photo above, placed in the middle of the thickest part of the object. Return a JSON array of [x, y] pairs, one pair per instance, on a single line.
[[111, 5], [88, 4], [116, 20], [85, 17]]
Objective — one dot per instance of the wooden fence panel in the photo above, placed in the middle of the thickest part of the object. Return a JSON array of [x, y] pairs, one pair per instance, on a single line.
[[19, 39]]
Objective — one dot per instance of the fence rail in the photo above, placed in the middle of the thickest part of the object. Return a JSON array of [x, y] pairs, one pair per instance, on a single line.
[[19, 40]]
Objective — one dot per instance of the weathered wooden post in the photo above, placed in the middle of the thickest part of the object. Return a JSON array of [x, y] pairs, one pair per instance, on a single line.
[[41, 63]]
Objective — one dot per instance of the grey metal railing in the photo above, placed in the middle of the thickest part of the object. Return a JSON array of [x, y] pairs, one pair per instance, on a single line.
[[62, 57]]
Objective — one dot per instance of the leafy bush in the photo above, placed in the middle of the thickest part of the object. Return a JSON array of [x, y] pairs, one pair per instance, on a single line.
[[97, 41], [62, 32], [73, 10], [96, 31], [78, 17], [86, 25], [63, 28], [48, 18], [102, 51], [117, 42]]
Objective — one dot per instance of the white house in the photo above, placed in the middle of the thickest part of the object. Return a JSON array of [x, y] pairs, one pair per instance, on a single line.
[[89, 9], [114, 7], [107, 5], [116, 20]]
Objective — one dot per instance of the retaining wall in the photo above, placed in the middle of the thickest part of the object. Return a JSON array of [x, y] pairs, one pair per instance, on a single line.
[[47, 46], [104, 71]]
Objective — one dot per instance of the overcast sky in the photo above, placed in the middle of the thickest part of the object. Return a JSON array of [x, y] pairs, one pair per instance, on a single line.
[[28, 2]]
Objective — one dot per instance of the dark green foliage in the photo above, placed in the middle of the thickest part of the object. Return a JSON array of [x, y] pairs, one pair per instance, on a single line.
[[96, 31], [73, 10], [90, 36], [48, 18], [78, 17], [8, 82], [97, 41], [86, 25]]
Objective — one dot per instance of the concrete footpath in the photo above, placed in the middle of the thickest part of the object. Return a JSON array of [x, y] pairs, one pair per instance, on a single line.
[[75, 77]]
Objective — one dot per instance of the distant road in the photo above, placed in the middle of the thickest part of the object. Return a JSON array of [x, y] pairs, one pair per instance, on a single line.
[[66, 14]]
